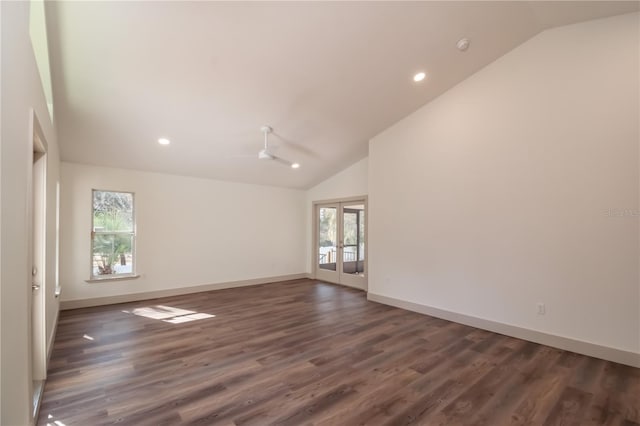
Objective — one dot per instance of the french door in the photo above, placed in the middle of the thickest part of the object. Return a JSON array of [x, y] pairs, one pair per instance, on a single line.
[[37, 256], [340, 243]]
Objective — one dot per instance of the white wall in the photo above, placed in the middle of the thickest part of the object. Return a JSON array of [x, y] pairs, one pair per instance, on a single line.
[[190, 231], [494, 196], [0, 215], [349, 182], [352, 181], [21, 91]]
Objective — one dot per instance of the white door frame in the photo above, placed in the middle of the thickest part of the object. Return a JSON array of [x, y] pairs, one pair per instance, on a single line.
[[36, 217], [339, 277]]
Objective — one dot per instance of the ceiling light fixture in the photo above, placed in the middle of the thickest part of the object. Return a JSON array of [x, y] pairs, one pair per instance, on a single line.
[[295, 166], [164, 141], [463, 44], [419, 77]]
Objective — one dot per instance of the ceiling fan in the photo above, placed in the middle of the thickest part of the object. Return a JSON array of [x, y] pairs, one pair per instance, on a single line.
[[265, 154]]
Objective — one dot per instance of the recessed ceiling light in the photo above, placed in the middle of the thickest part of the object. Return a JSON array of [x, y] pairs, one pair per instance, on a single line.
[[419, 77], [164, 141], [295, 166]]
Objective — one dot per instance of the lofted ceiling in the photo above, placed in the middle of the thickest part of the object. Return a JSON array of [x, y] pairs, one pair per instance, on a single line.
[[327, 76]]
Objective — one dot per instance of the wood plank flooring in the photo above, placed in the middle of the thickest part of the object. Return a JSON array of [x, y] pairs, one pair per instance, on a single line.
[[305, 352]]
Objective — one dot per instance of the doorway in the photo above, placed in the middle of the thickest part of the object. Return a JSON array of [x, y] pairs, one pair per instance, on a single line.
[[340, 249], [37, 254]]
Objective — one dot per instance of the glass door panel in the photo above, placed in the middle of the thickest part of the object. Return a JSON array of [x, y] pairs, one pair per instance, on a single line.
[[353, 240], [328, 238], [361, 233]]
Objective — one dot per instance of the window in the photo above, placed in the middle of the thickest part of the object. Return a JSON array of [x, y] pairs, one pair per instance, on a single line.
[[112, 235]]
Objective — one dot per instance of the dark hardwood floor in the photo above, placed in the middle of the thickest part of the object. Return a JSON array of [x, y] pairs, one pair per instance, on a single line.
[[305, 352]]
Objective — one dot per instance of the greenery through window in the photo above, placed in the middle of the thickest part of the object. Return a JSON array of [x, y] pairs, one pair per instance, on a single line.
[[328, 227], [113, 234]]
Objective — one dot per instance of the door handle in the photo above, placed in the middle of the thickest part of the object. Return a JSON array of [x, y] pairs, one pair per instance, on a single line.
[[35, 287]]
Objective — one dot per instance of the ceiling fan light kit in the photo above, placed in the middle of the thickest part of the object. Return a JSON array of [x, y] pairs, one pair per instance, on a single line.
[[264, 153]]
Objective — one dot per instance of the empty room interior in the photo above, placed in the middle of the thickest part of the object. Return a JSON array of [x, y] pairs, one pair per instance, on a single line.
[[320, 213]]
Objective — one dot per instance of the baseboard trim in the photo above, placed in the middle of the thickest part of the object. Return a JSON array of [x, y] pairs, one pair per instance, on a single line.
[[356, 287], [52, 337], [591, 349], [135, 297]]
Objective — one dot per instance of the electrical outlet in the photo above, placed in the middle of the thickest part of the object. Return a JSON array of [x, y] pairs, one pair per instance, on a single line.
[[541, 309]]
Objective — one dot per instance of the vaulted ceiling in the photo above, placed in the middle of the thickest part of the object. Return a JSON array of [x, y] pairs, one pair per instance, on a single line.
[[327, 76]]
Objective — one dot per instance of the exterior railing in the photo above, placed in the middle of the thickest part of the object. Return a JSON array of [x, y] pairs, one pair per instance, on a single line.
[[330, 257]]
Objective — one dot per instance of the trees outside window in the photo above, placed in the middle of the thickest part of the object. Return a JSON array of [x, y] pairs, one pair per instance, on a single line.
[[113, 234]]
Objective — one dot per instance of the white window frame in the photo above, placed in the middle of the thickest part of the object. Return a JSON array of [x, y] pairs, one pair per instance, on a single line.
[[132, 233]]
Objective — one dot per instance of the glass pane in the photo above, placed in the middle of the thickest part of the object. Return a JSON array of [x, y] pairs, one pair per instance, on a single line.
[[353, 254], [327, 238], [112, 254], [361, 235], [350, 227], [112, 211]]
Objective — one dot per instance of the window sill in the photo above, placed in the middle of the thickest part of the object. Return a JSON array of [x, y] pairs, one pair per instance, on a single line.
[[119, 278]]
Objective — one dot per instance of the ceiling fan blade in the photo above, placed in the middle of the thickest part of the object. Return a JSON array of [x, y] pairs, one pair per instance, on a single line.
[[282, 161], [295, 146], [293, 165], [267, 154]]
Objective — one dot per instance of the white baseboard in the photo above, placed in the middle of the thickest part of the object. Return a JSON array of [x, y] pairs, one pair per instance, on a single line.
[[134, 297], [362, 287], [565, 343], [357, 287], [52, 337]]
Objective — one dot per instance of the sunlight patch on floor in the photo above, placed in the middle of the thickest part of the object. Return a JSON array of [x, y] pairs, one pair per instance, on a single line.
[[169, 314], [160, 312], [55, 422], [187, 318]]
